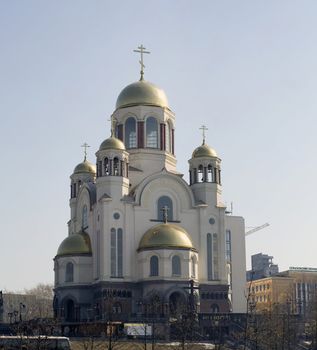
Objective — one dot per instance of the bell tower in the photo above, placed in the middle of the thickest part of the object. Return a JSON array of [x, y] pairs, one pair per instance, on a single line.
[[205, 173], [112, 169]]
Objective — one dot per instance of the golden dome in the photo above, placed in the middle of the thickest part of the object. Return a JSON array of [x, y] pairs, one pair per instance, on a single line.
[[85, 167], [112, 143], [204, 151], [75, 244], [165, 236], [142, 93]]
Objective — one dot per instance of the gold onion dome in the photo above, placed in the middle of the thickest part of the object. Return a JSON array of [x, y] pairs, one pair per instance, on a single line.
[[142, 93], [75, 244], [112, 143], [165, 236], [85, 167], [204, 151]]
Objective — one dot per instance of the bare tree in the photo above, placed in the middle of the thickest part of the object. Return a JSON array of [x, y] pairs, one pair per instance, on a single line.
[[42, 305]]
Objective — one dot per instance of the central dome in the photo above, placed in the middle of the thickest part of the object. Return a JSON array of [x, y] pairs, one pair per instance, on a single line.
[[141, 93], [165, 236]]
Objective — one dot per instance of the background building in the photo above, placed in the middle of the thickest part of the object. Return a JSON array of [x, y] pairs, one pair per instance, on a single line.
[[139, 232], [24, 307], [261, 266], [295, 287]]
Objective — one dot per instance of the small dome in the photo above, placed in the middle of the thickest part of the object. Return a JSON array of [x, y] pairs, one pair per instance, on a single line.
[[204, 151], [85, 167], [75, 244], [112, 143], [142, 93], [165, 236]]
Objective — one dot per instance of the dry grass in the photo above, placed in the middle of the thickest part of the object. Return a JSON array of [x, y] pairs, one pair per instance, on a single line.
[[85, 344]]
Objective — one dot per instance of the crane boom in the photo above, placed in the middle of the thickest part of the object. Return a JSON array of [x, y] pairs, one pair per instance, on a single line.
[[255, 229]]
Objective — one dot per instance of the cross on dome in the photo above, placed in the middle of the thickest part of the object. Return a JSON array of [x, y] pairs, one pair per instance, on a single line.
[[204, 129], [141, 49], [85, 146], [112, 126], [165, 210]]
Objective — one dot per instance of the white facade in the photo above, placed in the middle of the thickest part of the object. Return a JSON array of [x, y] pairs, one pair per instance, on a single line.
[[137, 228]]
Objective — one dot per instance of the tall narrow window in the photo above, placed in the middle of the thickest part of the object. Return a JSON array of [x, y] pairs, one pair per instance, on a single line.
[[116, 243], [215, 255], [69, 276], [209, 257], [130, 133], [151, 133], [162, 202], [210, 174], [120, 253], [193, 266], [168, 137], [113, 253], [106, 166], [176, 265], [200, 173], [116, 166], [84, 218], [154, 266]]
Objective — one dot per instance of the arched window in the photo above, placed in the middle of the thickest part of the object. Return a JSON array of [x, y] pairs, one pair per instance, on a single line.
[[215, 255], [200, 173], [210, 174], [214, 308], [116, 166], [117, 308], [176, 265], [130, 133], [106, 166], [168, 137], [154, 266], [84, 218], [209, 257], [193, 266], [151, 133], [162, 202], [116, 243], [69, 275]]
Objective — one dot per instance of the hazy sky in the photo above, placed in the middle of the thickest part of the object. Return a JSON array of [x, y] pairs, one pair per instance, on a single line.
[[246, 69]]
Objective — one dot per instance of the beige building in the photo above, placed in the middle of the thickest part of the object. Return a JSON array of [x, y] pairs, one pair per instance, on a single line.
[[295, 287]]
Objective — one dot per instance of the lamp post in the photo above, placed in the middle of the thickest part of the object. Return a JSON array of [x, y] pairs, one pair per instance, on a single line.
[[15, 314], [21, 306], [10, 315]]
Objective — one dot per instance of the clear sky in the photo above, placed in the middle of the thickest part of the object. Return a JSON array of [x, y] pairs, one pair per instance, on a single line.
[[246, 69]]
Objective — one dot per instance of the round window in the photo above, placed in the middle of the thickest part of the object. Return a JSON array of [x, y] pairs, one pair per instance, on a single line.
[[212, 221], [116, 216]]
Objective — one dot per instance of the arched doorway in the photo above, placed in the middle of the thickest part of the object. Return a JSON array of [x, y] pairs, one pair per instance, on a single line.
[[177, 303], [70, 310]]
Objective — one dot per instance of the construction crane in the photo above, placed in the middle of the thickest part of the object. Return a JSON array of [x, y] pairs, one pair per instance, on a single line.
[[255, 229]]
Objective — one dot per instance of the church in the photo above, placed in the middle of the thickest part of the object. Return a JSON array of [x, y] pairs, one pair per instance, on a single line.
[[138, 230]]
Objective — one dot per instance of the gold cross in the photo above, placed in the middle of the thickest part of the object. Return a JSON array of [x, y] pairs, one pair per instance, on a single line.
[[141, 50], [85, 145], [165, 210], [204, 129]]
